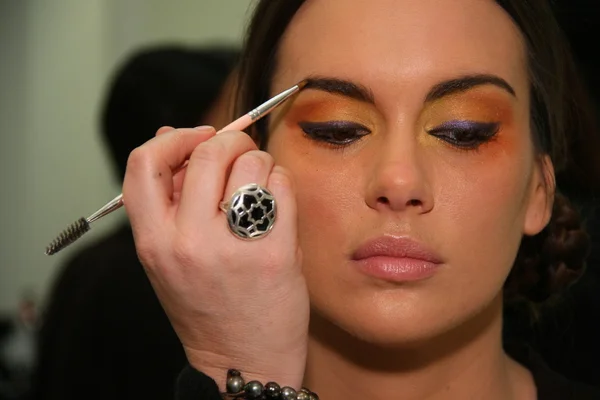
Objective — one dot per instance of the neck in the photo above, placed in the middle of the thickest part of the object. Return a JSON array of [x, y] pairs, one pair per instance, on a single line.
[[467, 362]]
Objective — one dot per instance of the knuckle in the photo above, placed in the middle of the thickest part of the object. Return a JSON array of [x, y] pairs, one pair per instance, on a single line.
[[281, 178], [272, 264], [241, 137], [248, 141], [163, 129], [184, 250], [272, 260], [209, 152], [227, 260], [175, 135], [138, 159], [252, 161], [146, 252], [265, 156]]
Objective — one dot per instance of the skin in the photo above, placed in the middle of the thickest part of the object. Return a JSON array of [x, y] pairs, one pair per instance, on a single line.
[[462, 204], [246, 304]]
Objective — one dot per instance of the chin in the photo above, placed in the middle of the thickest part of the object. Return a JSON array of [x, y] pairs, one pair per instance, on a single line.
[[399, 332], [392, 323]]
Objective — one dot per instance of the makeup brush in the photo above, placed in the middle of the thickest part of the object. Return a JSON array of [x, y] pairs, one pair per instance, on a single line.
[[82, 225]]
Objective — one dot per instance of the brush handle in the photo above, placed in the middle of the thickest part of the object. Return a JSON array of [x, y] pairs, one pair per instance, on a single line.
[[82, 225], [239, 124]]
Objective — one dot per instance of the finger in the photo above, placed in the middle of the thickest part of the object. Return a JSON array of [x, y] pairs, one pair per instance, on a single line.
[[179, 175], [178, 179], [206, 175], [281, 185], [251, 167], [148, 184], [164, 129]]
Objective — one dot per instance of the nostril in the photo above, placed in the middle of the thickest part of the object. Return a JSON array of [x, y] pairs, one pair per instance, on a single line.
[[383, 200], [414, 203]]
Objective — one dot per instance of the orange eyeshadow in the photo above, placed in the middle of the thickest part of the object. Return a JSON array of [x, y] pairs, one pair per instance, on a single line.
[[483, 105], [316, 106], [486, 105]]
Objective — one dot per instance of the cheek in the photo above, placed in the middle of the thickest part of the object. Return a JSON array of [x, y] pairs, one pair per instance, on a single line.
[[491, 184], [482, 199], [327, 193]]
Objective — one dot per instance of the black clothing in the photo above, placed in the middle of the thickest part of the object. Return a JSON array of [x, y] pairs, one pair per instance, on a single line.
[[105, 334], [194, 385]]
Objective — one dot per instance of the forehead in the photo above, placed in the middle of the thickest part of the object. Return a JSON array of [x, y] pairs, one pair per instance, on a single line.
[[396, 44]]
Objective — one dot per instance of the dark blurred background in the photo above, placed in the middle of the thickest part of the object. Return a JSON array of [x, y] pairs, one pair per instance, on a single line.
[[59, 60]]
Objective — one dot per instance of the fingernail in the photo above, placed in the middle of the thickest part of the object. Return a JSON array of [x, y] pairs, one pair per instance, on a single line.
[[204, 129]]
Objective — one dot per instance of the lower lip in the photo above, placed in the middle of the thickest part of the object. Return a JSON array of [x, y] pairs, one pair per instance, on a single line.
[[397, 269]]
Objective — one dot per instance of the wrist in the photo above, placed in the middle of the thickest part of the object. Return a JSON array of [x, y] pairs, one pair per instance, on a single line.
[[219, 375], [238, 388], [268, 370]]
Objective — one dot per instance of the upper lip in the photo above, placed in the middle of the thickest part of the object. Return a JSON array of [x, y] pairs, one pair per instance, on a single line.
[[396, 247]]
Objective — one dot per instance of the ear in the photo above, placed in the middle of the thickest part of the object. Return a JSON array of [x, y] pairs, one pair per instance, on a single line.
[[541, 199]]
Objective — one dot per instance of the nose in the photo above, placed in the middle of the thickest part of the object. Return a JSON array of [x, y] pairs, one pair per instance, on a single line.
[[399, 181]]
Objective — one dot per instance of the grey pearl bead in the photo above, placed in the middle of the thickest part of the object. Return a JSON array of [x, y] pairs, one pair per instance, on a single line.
[[272, 390], [234, 384], [303, 396], [253, 389], [313, 396], [287, 393]]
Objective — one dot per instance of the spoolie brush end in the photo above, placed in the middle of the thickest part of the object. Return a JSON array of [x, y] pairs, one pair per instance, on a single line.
[[68, 236]]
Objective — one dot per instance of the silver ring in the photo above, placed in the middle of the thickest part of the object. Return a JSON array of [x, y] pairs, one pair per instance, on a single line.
[[251, 212]]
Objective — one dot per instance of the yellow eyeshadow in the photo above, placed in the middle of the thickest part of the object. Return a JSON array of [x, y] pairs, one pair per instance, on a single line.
[[316, 106], [484, 105]]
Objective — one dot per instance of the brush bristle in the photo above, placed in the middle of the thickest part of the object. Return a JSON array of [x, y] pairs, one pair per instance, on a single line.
[[68, 236], [301, 84]]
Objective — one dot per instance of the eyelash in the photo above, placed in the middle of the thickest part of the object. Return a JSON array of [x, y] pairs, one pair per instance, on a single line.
[[466, 135], [328, 133]]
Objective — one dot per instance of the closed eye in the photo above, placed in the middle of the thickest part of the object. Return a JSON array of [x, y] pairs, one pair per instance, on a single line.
[[468, 135], [334, 133]]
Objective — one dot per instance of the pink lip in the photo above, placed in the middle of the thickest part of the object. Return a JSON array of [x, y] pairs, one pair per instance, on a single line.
[[396, 259]]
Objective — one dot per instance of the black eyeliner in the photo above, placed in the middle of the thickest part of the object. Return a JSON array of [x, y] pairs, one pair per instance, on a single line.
[[465, 134], [335, 133], [332, 125], [463, 125]]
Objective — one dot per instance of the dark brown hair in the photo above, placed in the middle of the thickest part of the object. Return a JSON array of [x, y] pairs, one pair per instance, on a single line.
[[561, 120]]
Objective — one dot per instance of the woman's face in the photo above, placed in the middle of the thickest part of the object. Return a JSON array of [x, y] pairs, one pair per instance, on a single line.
[[413, 137]]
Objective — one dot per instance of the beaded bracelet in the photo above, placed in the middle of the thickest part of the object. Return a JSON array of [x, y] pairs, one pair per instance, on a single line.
[[254, 390]]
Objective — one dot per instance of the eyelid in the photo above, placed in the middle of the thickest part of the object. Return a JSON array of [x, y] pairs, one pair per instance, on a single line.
[[334, 134], [464, 125], [333, 125], [464, 134]]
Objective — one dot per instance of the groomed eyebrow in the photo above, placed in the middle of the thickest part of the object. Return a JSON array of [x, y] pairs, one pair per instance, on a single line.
[[341, 87], [464, 83], [359, 92]]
